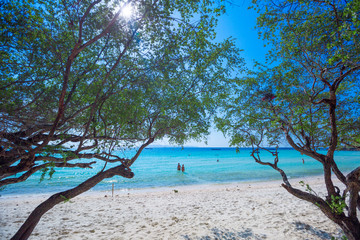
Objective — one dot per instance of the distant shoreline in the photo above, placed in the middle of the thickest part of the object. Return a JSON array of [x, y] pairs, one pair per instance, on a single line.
[[241, 148]]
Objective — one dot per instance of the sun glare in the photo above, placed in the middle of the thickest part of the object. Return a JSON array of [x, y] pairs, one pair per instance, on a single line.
[[127, 11]]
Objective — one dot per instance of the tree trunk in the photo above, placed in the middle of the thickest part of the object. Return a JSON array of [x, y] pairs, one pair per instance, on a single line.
[[350, 225], [33, 219], [351, 229]]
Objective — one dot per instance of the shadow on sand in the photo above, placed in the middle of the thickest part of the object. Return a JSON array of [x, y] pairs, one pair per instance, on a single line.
[[226, 234], [248, 234], [314, 231]]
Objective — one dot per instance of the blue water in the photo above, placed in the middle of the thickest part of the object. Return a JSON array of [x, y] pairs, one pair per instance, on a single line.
[[157, 167]]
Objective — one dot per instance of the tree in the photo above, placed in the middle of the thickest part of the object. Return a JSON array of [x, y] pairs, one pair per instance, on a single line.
[[307, 95], [79, 79]]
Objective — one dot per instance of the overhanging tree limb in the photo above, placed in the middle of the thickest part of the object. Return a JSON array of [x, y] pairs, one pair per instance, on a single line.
[[28, 226]]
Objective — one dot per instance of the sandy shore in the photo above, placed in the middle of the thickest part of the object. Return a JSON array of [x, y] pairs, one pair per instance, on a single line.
[[231, 211]]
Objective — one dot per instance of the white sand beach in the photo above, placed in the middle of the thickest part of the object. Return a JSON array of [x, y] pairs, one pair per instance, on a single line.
[[227, 211]]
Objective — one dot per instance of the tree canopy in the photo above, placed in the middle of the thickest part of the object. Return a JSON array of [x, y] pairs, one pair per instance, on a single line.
[[77, 76], [79, 79], [306, 95]]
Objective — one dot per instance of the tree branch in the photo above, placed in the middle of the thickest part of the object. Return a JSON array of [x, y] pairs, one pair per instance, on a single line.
[[39, 167], [30, 223]]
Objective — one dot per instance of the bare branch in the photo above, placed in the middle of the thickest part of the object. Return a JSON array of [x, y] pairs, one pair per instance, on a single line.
[[27, 174]]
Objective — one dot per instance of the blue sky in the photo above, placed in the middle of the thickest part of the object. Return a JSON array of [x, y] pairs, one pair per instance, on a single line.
[[238, 22]]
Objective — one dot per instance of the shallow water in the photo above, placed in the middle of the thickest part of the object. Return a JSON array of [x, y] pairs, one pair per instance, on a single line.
[[157, 167]]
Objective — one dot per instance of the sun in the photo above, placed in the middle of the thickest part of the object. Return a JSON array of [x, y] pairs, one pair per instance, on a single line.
[[127, 11]]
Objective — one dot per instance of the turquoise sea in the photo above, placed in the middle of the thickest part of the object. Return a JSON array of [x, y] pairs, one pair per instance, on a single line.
[[157, 167]]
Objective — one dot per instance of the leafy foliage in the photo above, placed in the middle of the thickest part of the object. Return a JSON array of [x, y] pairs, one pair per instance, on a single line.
[[337, 204], [49, 168], [78, 80], [305, 95], [65, 198], [308, 188]]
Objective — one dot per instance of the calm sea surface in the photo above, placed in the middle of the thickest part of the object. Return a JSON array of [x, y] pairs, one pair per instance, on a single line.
[[157, 167]]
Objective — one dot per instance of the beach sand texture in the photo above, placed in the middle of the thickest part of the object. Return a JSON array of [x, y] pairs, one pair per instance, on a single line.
[[227, 211]]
